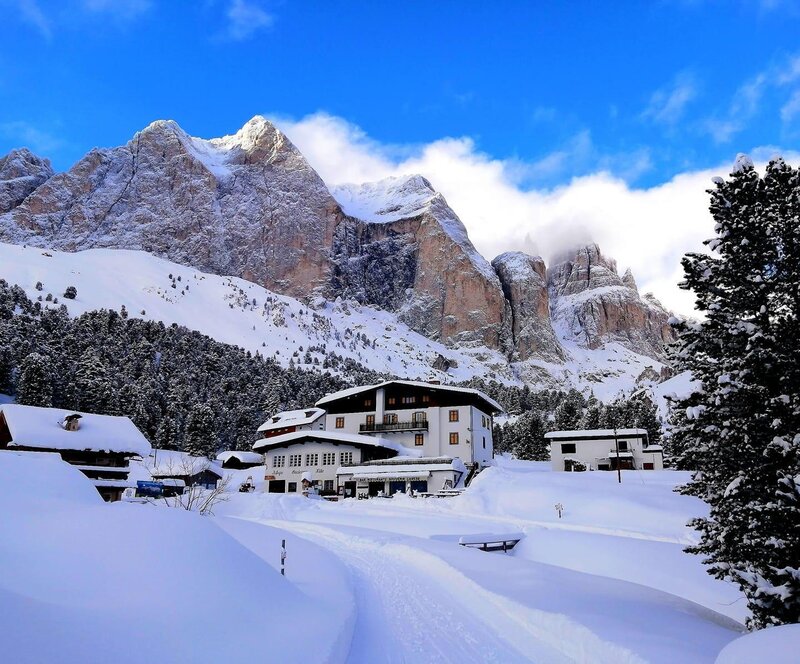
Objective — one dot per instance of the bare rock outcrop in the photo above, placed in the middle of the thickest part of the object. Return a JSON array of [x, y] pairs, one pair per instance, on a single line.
[[592, 305], [21, 172], [524, 281], [408, 251]]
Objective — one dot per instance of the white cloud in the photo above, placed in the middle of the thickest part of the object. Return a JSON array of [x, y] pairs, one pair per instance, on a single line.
[[32, 14], [244, 19], [791, 109], [121, 10], [667, 105], [25, 134], [648, 230]]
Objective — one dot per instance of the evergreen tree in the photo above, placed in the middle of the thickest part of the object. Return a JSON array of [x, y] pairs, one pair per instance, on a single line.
[[569, 413], [92, 382], [35, 384], [200, 436], [531, 444], [740, 432]]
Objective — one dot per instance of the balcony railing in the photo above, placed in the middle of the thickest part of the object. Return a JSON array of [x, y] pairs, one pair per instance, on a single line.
[[414, 425]]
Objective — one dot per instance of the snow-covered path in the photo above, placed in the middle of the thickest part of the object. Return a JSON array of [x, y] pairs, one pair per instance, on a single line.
[[405, 616], [412, 606]]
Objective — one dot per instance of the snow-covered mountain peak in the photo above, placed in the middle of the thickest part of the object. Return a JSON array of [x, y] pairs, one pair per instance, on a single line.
[[387, 200]]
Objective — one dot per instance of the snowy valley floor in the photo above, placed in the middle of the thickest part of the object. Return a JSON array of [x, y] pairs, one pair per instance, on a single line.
[[382, 580]]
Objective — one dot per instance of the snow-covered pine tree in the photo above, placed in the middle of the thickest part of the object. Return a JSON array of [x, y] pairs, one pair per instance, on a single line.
[[35, 383], [569, 412], [531, 444], [200, 438], [93, 383], [740, 432]]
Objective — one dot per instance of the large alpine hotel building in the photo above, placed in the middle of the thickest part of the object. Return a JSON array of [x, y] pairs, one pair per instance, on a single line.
[[395, 436]]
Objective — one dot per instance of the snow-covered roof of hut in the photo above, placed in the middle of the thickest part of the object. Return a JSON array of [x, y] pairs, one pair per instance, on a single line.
[[292, 418], [171, 463], [243, 457], [335, 437], [42, 428]]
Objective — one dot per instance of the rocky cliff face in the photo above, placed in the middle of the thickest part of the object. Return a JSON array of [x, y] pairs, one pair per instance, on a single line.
[[524, 281], [246, 205], [592, 305], [405, 249], [21, 172]]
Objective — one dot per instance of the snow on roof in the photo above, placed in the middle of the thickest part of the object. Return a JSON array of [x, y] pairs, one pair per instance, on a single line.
[[333, 437], [244, 457], [342, 394], [36, 427], [171, 463], [292, 418], [596, 433]]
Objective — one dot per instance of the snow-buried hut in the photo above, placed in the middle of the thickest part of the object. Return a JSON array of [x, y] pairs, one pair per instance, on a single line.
[[100, 446]]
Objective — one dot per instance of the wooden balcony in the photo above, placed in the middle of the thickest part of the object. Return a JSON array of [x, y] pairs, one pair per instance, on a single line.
[[414, 425]]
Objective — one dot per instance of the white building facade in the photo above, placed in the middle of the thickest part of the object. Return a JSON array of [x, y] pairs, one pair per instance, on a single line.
[[603, 449], [436, 420], [321, 453]]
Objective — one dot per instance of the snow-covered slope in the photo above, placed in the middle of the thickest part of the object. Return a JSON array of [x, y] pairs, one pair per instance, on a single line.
[[241, 313]]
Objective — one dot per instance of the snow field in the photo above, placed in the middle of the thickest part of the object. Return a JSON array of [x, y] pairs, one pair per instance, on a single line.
[[608, 582], [87, 582]]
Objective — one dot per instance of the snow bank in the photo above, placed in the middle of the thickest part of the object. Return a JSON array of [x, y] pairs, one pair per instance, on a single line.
[[84, 581], [779, 644]]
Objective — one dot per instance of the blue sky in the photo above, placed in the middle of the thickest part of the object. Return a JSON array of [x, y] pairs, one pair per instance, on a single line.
[[544, 124], [643, 90]]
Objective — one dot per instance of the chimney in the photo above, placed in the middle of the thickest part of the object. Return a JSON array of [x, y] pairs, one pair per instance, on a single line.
[[72, 422]]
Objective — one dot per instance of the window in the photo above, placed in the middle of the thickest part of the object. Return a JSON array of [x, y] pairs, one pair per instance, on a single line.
[[312, 459], [419, 417], [278, 461], [295, 460], [419, 439], [391, 401], [409, 400], [327, 486], [340, 423], [623, 445], [328, 458], [454, 438], [367, 403], [292, 487], [426, 398], [454, 416], [345, 457], [567, 448], [390, 418], [370, 420], [484, 442]]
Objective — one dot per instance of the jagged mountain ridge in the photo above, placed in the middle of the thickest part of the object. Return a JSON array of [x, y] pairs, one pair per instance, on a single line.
[[250, 205]]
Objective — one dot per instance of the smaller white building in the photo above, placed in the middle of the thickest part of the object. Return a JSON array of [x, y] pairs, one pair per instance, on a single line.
[[291, 456], [604, 449]]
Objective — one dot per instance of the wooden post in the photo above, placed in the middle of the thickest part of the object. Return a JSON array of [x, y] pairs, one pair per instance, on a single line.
[[616, 444]]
